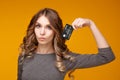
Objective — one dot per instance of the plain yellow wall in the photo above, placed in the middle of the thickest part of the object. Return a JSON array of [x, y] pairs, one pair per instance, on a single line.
[[16, 14]]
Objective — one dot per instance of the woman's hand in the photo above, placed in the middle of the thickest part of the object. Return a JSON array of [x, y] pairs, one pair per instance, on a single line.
[[81, 22]]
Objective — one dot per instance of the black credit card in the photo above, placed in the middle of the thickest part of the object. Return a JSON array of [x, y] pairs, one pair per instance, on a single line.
[[67, 31]]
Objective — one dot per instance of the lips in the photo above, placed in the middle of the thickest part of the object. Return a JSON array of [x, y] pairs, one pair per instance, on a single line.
[[41, 38]]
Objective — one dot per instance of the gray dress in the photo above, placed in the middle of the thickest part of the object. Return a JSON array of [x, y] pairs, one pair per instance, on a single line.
[[42, 66]]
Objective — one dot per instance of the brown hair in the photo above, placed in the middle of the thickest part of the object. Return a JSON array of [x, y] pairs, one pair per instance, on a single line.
[[30, 43]]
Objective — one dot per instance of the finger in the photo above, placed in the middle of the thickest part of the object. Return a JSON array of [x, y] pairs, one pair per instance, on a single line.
[[74, 23], [80, 23], [83, 22], [77, 22], [74, 27]]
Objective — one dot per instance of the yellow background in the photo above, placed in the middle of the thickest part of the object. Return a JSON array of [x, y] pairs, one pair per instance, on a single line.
[[16, 14]]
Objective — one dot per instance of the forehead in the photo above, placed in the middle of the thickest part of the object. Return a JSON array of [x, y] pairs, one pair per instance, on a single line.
[[43, 20]]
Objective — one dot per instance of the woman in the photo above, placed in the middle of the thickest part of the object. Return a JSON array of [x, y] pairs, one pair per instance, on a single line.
[[44, 55]]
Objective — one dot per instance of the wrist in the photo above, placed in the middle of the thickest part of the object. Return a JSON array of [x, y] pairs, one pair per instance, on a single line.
[[91, 24]]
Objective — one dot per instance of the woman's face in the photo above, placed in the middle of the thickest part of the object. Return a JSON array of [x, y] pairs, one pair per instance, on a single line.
[[43, 31]]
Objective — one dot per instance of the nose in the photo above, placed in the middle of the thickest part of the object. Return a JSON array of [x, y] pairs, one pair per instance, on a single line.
[[42, 31]]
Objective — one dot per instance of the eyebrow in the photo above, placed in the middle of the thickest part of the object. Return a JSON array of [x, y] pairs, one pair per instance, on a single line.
[[37, 23]]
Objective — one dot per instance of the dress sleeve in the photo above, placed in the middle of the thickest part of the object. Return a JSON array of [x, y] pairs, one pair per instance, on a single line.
[[19, 73], [104, 55]]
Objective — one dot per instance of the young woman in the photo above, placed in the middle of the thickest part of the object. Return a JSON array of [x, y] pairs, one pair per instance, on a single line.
[[44, 55]]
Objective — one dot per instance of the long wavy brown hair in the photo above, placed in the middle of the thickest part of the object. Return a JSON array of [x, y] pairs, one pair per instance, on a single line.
[[30, 43]]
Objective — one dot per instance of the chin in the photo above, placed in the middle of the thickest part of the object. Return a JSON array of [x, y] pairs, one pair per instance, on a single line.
[[43, 43]]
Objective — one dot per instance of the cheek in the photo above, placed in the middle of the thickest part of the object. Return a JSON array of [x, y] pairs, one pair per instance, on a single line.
[[51, 34], [36, 32]]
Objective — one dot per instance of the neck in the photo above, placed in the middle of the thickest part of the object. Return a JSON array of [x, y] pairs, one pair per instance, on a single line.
[[45, 49]]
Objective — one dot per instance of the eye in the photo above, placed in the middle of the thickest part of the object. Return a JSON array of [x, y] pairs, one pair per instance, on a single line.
[[37, 26], [49, 27]]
